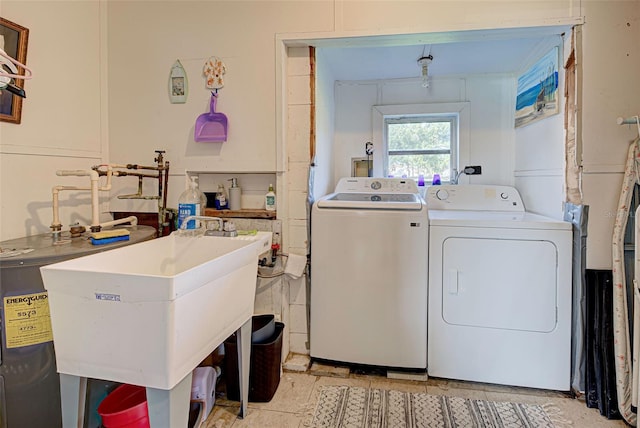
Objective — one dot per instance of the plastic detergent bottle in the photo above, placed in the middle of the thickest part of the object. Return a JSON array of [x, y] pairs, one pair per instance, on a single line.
[[222, 203], [235, 195], [190, 203], [421, 186], [270, 199]]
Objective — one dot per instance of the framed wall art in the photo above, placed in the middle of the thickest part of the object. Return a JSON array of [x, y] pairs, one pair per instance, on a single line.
[[537, 95], [13, 40], [178, 84]]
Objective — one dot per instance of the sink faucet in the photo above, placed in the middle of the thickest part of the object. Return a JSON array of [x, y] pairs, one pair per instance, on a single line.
[[227, 229], [456, 176], [204, 219]]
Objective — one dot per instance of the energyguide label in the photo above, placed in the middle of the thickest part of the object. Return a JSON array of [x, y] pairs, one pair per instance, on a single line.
[[27, 320]]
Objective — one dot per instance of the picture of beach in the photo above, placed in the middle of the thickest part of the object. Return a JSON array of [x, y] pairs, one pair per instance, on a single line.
[[538, 90]]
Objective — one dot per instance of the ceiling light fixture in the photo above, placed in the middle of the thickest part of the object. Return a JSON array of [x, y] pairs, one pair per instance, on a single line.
[[424, 62]]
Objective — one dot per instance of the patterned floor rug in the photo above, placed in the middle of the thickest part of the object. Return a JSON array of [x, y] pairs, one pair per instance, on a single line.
[[351, 407]]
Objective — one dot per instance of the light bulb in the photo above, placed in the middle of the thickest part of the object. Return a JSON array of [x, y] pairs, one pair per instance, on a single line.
[[425, 76], [424, 65]]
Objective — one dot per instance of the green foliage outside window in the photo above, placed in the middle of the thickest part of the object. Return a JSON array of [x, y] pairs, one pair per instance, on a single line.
[[419, 147]]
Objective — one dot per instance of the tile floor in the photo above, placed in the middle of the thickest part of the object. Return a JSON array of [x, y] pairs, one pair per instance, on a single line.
[[294, 402]]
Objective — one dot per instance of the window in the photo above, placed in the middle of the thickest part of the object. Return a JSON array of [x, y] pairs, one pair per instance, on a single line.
[[422, 145], [414, 139]]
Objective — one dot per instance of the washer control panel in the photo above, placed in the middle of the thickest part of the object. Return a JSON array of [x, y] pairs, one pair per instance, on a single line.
[[474, 197], [442, 194], [376, 185]]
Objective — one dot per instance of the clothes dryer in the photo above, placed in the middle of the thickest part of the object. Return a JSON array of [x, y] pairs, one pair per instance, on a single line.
[[499, 289]]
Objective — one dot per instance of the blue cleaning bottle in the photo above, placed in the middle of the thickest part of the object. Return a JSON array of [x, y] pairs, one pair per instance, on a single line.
[[222, 203]]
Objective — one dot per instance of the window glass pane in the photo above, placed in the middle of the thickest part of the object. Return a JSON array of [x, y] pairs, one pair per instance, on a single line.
[[416, 136], [412, 166]]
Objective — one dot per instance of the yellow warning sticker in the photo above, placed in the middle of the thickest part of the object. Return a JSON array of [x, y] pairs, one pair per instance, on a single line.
[[27, 320]]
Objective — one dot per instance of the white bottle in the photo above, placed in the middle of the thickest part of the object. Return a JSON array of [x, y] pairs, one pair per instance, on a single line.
[[270, 199], [235, 195], [190, 203]]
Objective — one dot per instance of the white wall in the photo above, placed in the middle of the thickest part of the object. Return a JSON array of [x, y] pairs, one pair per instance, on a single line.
[[491, 145], [539, 150], [610, 67], [325, 128], [295, 214], [146, 39], [62, 117], [490, 126], [444, 15]]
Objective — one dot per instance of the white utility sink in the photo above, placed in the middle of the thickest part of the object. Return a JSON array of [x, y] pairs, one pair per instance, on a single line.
[[147, 314]]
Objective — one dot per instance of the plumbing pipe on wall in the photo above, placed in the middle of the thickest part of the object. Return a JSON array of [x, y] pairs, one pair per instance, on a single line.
[[56, 226], [162, 175], [93, 175], [133, 220], [111, 170]]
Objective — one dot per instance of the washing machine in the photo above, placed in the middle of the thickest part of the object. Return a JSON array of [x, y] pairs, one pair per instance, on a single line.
[[369, 258], [499, 289]]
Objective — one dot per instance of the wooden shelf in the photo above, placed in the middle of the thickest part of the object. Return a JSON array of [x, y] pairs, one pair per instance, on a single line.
[[244, 213]]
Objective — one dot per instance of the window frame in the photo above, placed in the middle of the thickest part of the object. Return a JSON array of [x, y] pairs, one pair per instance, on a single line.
[[452, 118], [380, 112]]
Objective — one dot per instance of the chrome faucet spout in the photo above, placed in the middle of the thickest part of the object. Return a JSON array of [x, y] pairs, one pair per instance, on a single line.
[[456, 176]]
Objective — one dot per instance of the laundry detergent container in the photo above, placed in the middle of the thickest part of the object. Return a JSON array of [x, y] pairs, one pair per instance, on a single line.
[[125, 407], [265, 361]]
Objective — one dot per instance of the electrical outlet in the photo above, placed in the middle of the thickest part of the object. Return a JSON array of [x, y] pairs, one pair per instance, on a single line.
[[473, 170]]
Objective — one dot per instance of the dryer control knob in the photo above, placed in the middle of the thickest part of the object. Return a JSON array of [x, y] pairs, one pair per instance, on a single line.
[[442, 194], [504, 195]]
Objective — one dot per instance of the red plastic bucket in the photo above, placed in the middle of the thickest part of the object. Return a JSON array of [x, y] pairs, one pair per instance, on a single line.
[[125, 407]]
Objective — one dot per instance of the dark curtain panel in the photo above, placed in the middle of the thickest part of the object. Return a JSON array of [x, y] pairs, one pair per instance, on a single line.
[[600, 376]]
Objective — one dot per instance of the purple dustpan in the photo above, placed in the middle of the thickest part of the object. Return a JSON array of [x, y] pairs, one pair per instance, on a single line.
[[211, 127]]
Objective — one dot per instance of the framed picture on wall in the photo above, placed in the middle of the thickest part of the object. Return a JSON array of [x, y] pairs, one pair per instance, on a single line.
[[13, 40], [537, 95]]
